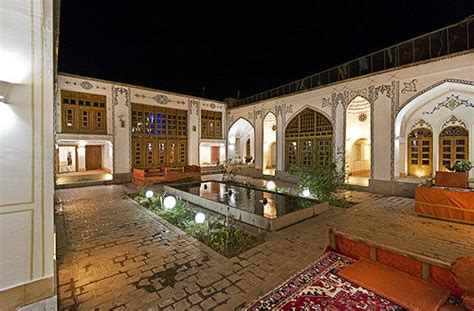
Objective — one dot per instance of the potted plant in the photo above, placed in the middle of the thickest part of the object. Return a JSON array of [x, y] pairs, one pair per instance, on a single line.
[[457, 177]]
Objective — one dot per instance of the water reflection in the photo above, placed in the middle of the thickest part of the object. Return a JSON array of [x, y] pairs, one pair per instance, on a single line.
[[267, 204]]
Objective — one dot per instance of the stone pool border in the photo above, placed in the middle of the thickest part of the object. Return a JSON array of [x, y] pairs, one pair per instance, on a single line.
[[249, 218]]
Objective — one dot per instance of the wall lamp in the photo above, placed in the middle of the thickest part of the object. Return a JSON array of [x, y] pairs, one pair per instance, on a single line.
[[4, 90]]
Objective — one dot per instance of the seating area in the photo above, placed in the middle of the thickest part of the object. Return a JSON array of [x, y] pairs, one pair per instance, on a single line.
[[449, 198], [357, 274], [411, 280], [144, 177]]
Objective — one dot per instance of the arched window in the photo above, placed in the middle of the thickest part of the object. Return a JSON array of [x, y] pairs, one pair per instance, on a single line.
[[420, 152], [308, 140], [453, 146]]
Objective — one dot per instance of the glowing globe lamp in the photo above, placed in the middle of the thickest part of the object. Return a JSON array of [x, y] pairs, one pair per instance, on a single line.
[[271, 185], [169, 202], [306, 193], [149, 194], [200, 218]]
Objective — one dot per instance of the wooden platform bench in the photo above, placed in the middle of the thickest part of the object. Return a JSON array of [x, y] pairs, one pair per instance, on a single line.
[[413, 281], [163, 175]]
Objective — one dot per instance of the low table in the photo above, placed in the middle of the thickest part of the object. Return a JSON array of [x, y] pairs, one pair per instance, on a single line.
[[453, 204]]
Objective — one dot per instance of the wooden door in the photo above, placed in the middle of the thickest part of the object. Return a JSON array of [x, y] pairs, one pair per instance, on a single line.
[[93, 158], [420, 152], [215, 150], [454, 146]]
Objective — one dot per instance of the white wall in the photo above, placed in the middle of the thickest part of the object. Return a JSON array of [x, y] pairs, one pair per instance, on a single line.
[[26, 143], [388, 92]]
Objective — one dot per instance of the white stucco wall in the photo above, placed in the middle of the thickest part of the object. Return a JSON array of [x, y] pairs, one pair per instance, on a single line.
[[388, 92], [26, 143]]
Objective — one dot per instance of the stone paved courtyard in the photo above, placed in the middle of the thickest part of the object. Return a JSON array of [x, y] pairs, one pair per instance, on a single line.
[[114, 254]]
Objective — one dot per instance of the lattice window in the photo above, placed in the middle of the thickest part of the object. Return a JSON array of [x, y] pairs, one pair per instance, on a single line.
[[172, 152], [183, 151], [162, 153], [306, 153], [324, 152], [157, 129], [291, 153], [211, 124], [171, 121], [420, 152], [312, 132], [454, 146], [182, 123], [137, 153], [83, 113]]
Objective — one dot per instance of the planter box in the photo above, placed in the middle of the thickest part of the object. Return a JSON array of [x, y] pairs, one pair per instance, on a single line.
[[452, 179]]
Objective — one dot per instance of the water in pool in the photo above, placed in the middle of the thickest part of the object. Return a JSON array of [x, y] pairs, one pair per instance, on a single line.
[[267, 204]]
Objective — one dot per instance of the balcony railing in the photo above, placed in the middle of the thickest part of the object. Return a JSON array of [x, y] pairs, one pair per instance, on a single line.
[[452, 39]]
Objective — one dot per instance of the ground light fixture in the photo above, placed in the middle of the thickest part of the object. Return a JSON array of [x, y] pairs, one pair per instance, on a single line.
[[169, 202], [271, 185], [306, 193], [149, 194], [199, 218]]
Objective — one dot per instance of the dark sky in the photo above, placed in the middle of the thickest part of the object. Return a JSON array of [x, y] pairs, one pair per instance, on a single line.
[[181, 47]]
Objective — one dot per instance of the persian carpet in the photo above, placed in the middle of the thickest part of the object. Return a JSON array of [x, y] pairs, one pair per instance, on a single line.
[[318, 287]]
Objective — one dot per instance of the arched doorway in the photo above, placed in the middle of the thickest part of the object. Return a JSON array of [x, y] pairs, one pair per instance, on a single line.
[[453, 146], [241, 142], [308, 140], [358, 141], [420, 152], [269, 144]]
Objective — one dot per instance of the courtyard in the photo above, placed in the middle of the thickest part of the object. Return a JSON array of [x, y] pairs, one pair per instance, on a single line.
[[114, 254]]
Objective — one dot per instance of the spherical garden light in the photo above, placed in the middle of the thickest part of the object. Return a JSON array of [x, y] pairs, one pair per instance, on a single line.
[[271, 185], [306, 193], [200, 218], [169, 202], [149, 194]]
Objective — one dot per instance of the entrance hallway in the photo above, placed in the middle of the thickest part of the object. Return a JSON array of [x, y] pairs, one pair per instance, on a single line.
[[113, 253]]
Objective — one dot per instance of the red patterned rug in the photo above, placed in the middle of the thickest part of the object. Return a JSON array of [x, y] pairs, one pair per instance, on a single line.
[[318, 287]]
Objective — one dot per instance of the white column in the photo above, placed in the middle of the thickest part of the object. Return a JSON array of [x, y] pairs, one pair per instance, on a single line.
[[81, 161], [280, 143], [258, 143], [194, 131]]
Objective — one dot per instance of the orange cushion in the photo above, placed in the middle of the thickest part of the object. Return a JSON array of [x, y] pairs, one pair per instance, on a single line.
[[463, 273], [350, 248], [401, 288]]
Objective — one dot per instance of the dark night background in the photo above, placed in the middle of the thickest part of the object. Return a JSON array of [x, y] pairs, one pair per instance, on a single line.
[[181, 47]]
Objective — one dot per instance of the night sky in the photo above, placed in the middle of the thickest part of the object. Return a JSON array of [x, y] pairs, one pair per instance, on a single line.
[[183, 47]]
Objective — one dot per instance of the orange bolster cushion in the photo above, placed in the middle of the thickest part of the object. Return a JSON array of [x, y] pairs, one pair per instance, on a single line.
[[403, 289]]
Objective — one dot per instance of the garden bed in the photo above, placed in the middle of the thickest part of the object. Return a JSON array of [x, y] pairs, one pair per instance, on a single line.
[[219, 233]]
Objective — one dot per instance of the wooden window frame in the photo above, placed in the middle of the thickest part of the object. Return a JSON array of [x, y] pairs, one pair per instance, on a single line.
[[81, 103]]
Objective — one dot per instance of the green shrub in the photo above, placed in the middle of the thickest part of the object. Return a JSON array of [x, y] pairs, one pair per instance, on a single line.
[[322, 181], [460, 166]]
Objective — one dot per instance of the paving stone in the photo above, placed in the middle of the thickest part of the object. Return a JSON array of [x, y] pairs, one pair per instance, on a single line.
[[195, 298], [221, 284], [114, 253], [208, 304], [181, 305]]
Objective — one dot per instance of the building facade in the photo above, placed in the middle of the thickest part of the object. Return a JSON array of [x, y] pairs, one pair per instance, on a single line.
[[386, 130], [112, 128]]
